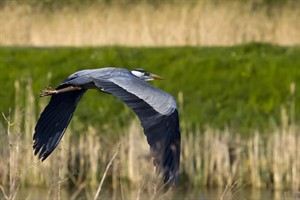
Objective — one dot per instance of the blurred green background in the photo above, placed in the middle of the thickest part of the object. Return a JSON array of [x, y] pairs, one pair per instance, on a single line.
[[242, 88]]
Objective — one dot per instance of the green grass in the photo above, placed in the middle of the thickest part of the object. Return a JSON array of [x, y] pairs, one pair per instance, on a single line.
[[241, 87]]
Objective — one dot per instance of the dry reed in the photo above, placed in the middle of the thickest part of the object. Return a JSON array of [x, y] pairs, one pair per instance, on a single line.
[[104, 175], [210, 157], [204, 23], [13, 168]]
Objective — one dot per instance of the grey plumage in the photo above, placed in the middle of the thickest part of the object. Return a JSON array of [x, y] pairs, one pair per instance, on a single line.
[[155, 108]]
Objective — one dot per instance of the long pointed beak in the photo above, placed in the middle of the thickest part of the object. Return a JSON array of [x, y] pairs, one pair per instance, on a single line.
[[156, 77]]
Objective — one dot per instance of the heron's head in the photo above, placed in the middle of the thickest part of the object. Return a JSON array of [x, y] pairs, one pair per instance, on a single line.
[[146, 76]]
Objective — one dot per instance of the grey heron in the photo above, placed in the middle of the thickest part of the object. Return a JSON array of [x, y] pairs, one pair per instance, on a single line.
[[156, 110]]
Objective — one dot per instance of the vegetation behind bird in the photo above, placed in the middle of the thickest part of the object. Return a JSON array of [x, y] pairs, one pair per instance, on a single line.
[[210, 157], [241, 87], [245, 89], [148, 23]]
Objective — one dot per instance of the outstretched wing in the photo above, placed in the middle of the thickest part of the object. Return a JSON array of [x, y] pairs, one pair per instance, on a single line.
[[54, 120], [159, 117]]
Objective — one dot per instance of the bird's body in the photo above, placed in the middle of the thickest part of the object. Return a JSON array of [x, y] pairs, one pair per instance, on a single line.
[[155, 108]]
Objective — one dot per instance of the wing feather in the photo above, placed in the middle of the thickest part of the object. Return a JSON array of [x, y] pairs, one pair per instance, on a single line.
[[162, 130], [53, 121]]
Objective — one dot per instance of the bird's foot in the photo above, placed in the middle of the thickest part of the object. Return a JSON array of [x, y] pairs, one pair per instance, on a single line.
[[48, 91]]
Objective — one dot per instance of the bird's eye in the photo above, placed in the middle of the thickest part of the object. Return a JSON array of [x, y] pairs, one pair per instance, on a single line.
[[147, 74]]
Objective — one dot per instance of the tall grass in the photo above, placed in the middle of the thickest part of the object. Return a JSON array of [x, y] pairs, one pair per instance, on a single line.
[[141, 24], [209, 158]]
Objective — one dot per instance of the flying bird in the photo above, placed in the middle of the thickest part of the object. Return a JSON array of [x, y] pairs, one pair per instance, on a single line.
[[156, 110]]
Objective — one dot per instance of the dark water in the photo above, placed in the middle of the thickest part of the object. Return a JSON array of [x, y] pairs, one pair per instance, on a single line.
[[180, 194]]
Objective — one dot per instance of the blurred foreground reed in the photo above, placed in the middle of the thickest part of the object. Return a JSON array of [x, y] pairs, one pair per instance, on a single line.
[[209, 157]]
